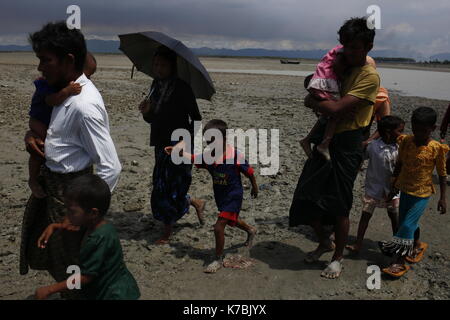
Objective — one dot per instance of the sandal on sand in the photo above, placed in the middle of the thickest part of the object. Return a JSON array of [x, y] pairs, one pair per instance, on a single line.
[[419, 253], [213, 266], [315, 255], [402, 269], [333, 270]]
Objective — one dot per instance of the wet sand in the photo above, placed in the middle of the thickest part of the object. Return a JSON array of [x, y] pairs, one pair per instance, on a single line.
[[175, 271]]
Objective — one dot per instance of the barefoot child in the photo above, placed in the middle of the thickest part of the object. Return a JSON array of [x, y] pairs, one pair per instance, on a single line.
[[104, 275], [418, 156], [382, 154], [227, 185], [44, 98], [324, 85]]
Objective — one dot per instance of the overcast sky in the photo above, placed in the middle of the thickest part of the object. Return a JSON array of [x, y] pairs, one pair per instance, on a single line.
[[406, 25]]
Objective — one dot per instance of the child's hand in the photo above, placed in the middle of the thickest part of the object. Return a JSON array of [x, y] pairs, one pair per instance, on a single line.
[[73, 88], [392, 194], [144, 106], [254, 192], [42, 293], [43, 239], [442, 206], [168, 150], [34, 144]]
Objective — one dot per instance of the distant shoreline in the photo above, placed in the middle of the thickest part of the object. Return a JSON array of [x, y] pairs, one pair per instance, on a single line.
[[393, 65]]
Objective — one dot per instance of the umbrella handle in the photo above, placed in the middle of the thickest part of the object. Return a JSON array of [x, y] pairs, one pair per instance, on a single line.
[[147, 97]]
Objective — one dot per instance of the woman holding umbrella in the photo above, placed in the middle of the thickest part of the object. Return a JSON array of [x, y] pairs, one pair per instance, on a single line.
[[170, 105]]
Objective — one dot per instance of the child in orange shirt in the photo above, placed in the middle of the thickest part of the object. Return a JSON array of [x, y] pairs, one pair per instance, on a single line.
[[418, 156]]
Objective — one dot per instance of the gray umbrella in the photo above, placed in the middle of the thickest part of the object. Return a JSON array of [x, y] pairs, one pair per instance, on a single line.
[[140, 48]]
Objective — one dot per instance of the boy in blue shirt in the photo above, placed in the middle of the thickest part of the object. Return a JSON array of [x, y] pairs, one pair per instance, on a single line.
[[227, 186]]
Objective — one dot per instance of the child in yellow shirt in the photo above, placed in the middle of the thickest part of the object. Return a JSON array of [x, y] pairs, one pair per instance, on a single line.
[[417, 158]]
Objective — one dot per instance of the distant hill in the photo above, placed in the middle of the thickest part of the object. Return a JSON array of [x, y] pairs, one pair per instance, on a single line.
[[305, 54], [441, 56], [112, 46], [15, 48]]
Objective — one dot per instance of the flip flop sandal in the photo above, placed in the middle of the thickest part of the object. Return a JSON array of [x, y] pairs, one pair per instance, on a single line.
[[397, 274], [419, 256]]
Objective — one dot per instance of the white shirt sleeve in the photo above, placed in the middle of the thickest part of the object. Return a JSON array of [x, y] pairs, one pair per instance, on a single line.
[[98, 144]]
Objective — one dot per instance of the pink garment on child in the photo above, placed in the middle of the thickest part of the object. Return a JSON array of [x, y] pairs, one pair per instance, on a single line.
[[324, 83]]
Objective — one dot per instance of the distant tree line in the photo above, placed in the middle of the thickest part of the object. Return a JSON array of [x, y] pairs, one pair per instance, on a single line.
[[395, 60], [410, 60], [437, 62]]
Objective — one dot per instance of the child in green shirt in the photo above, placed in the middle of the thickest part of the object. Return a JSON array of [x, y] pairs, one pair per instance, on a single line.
[[103, 273]]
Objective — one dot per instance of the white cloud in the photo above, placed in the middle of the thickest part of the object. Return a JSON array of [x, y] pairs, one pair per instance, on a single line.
[[403, 29]]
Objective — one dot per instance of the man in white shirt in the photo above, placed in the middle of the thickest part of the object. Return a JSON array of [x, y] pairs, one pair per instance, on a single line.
[[77, 138]]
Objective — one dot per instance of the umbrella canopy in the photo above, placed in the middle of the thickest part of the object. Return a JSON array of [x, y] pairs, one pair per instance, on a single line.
[[140, 48]]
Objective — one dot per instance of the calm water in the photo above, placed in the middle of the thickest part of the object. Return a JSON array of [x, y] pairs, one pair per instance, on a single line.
[[421, 83]]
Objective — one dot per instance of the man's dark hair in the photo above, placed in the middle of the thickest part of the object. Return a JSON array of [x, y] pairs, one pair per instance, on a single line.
[[59, 39], [217, 124], [89, 191], [356, 29], [424, 116], [389, 123]]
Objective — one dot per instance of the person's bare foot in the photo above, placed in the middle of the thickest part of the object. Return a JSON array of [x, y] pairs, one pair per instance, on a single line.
[[353, 248], [324, 151], [306, 146], [36, 189], [214, 266], [333, 270], [250, 237], [315, 255], [199, 206]]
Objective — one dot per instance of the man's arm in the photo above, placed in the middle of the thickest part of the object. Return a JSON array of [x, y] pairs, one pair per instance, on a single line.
[[444, 123], [347, 104], [383, 110], [98, 143]]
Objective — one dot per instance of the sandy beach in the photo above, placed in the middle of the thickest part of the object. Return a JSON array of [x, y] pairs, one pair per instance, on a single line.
[[175, 271]]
